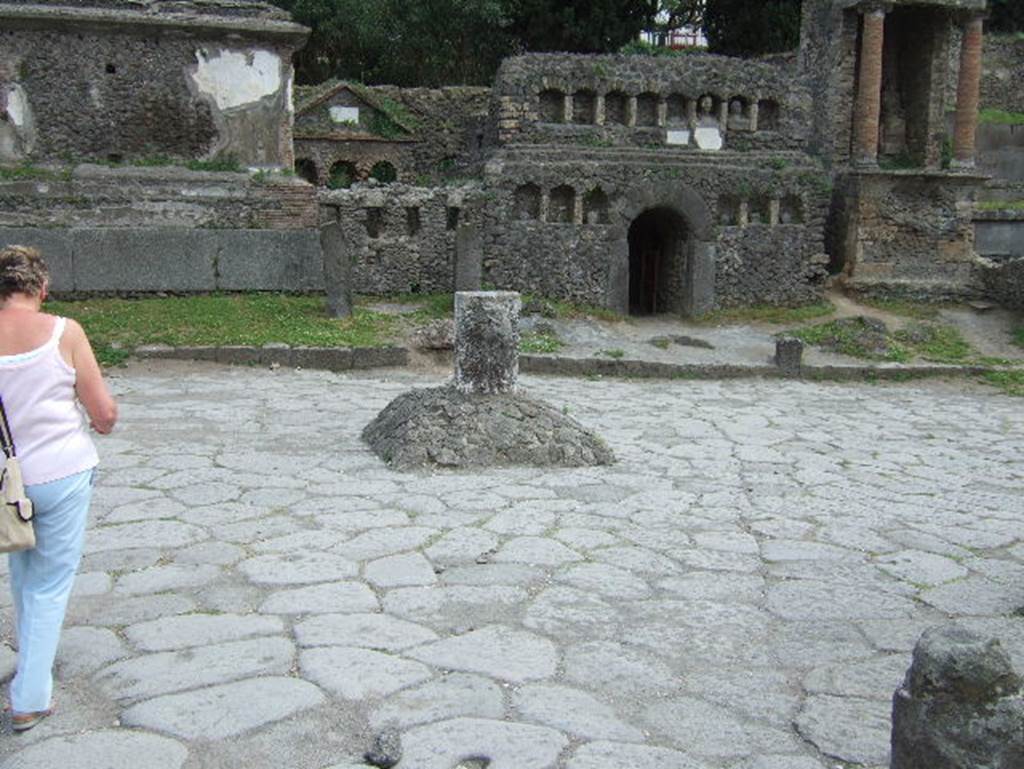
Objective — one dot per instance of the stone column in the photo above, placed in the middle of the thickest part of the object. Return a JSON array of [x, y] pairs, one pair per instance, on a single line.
[[773, 212], [468, 257], [753, 115], [567, 108], [599, 109], [967, 94], [691, 113], [868, 105], [577, 209], [631, 111], [662, 112], [743, 216], [723, 114], [545, 205], [486, 341], [337, 260]]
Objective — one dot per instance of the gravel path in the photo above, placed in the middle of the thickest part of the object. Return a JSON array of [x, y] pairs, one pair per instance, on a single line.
[[741, 591]]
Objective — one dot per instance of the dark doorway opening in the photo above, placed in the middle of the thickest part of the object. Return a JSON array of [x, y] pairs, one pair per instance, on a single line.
[[657, 248]]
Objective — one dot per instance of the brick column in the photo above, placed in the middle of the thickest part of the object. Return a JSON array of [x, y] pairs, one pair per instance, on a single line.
[[967, 94], [868, 106]]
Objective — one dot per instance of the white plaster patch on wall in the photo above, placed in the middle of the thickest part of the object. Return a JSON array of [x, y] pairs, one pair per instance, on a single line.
[[18, 110], [236, 78], [344, 114]]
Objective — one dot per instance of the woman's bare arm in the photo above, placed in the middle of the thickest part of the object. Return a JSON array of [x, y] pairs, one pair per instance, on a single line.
[[89, 385]]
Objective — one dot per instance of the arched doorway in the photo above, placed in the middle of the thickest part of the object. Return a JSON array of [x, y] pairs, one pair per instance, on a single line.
[[657, 262], [305, 168]]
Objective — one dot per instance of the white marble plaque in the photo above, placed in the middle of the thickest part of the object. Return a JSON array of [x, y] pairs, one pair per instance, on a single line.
[[708, 138], [677, 137], [345, 114]]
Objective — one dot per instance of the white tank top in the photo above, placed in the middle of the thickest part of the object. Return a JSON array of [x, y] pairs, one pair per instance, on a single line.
[[49, 429]]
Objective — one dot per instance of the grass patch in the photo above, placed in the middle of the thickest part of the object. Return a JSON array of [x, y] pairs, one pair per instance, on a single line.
[[768, 314], [614, 353], [557, 308], [1010, 382], [117, 326], [904, 308], [853, 337], [540, 341], [1000, 117], [936, 343], [27, 171], [227, 163], [1001, 205], [1017, 336]]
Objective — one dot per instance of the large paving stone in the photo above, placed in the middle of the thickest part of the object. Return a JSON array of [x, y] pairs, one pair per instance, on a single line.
[[506, 746], [356, 674], [703, 729], [921, 568], [352, 597], [168, 672], [875, 678], [462, 545], [159, 579], [619, 669], [371, 631], [571, 613], [110, 611], [199, 630], [455, 606], [812, 600], [109, 749], [617, 755], [403, 570], [609, 581], [536, 551], [148, 534], [381, 542], [572, 711], [500, 652], [973, 596], [217, 712], [297, 568], [847, 728], [86, 649], [452, 695]]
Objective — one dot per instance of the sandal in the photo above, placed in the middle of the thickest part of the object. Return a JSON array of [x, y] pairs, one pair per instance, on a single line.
[[22, 722]]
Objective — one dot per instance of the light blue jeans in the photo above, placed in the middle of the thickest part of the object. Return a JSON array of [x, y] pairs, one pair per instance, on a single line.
[[41, 581]]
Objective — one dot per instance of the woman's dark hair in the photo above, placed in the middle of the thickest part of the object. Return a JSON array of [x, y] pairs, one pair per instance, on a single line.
[[22, 271]]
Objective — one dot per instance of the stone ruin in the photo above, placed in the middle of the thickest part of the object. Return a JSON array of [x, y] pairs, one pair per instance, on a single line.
[[961, 705], [480, 419]]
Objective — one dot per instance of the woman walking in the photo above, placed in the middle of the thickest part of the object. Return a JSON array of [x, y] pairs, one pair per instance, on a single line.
[[47, 368]]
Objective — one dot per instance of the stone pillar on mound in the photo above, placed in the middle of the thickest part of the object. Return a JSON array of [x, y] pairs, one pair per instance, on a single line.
[[487, 341]]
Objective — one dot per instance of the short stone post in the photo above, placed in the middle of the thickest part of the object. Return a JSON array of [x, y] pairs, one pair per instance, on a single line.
[[961, 705], [468, 257], [487, 341], [337, 270], [789, 354]]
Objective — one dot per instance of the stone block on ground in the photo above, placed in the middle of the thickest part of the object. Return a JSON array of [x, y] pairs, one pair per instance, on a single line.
[[487, 341], [337, 260], [789, 353], [961, 705]]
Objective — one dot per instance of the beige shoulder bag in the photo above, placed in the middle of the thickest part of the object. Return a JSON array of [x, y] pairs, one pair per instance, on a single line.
[[16, 532]]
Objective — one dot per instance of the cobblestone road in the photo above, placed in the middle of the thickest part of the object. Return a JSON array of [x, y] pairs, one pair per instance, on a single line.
[[740, 591]]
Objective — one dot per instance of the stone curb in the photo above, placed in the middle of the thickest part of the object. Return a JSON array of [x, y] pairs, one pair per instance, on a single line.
[[352, 359], [324, 358], [640, 369]]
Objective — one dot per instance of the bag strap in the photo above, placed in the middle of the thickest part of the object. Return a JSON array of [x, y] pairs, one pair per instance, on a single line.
[[6, 439]]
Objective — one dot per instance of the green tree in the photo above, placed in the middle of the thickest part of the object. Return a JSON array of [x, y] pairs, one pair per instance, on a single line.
[[1007, 16], [579, 26], [752, 27]]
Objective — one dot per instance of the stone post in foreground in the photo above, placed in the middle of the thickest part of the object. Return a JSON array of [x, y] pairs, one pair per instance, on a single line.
[[487, 341], [961, 705], [337, 270]]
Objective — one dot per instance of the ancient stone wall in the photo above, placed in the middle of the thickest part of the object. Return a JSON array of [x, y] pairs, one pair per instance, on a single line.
[[402, 238], [615, 101], [150, 230], [446, 137], [1001, 75], [109, 83], [905, 232], [559, 226]]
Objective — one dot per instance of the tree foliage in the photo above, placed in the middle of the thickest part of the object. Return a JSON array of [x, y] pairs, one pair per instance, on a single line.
[[578, 26], [752, 27], [1006, 16]]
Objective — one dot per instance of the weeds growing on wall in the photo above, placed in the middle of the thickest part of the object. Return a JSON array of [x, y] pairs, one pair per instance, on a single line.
[[1000, 117], [1000, 205]]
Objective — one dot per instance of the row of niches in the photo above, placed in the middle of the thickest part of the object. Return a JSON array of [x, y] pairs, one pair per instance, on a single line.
[[616, 108], [561, 205], [734, 211], [404, 221]]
